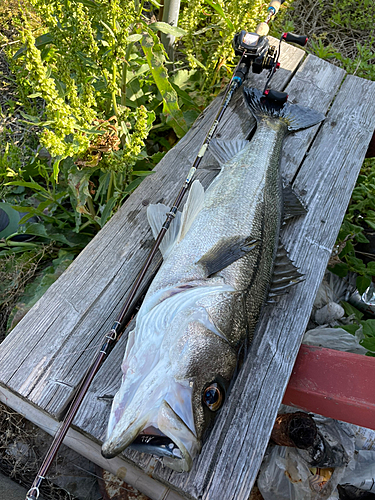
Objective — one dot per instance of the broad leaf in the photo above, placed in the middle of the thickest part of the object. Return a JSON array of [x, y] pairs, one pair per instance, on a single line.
[[368, 327], [168, 29], [349, 310], [134, 38], [154, 53], [362, 283], [368, 343]]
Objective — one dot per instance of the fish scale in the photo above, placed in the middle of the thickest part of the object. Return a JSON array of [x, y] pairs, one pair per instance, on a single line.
[[206, 298]]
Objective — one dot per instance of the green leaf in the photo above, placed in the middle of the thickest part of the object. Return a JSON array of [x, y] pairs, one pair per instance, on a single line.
[[368, 327], [31, 184], [186, 99], [107, 210], [108, 29], [134, 38], [340, 269], [88, 62], [368, 344], [220, 11], [34, 119], [89, 3], [32, 96], [154, 53], [349, 310], [362, 283], [56, 170], [141, 173], [349, 328], [130, 187], [361, 238], [40, 42], [370, 223], [168, 29], [349, 248], [156, 4]]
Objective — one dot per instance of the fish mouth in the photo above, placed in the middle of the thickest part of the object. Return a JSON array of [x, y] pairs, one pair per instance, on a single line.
[[168, 438]]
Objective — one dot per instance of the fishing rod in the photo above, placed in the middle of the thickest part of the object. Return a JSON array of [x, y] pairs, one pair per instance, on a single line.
[[256, 53]]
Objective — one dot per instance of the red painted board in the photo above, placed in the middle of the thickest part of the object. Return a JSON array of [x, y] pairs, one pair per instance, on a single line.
[[335, 384]]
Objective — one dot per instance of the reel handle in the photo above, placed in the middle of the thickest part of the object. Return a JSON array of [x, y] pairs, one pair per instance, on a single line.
[[299, 40], [275, 95]]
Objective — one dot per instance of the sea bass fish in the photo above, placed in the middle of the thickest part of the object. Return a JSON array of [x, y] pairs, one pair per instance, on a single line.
[[222, 259]]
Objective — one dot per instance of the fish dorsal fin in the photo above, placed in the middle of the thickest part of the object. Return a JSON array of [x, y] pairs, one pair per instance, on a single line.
[[293, 206], [285, 273], [225, 252], [225, 151], [156, 215], [192, 207]]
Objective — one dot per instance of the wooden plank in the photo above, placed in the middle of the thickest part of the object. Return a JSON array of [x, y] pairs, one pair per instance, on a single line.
[[91, 450], [237, 123], [216, 477], [334, 384], [46, 354], [328, 174], [325, 80]]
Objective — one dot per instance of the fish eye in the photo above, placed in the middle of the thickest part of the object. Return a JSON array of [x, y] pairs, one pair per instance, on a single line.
[[213, 397]]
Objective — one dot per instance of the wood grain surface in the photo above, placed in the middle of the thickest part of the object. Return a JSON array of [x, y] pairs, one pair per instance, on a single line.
[[44, 358]]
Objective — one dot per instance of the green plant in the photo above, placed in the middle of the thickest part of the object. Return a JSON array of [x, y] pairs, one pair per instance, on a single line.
[[359, 221], [323, 51], [210, 27], [362, 64], [353, 14], [94, 84], [367, 327]]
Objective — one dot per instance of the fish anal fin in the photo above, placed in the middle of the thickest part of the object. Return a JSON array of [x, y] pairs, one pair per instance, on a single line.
[[225, 151], [293, 206], [285, 274], [225, 252]]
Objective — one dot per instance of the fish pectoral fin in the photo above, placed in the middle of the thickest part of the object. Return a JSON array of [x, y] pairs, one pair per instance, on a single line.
[[293, 206], [225, 252], [192, 207], [285, 273], [224, 151], [156, 215]]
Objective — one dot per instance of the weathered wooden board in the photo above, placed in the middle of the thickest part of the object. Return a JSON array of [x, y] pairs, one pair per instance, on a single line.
[[43, 359], [45, 356], [87, 447], [324, 80], [327, 177]]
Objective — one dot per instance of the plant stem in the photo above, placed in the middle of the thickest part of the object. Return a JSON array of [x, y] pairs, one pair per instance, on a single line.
[[125, 73], [91, 207], [114, 70], [114, 102], [16, 243], [110, 186]]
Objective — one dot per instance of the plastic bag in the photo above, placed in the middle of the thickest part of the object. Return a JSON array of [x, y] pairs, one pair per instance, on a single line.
[[286, 473], [335, 338]]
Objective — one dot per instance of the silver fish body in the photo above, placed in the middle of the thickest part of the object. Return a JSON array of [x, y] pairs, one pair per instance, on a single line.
[[206, 298]]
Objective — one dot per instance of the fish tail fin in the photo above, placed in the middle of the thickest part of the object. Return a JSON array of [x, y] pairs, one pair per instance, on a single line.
[[295, 116]]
